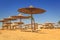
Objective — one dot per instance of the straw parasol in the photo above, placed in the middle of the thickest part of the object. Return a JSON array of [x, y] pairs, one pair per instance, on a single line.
[[3, 22], [20, 16], [31, 10], [9, 19], [18, 22]]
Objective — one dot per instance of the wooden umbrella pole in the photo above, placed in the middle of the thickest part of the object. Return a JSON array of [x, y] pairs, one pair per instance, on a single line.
[[20, 24], [31, 23], [10, 24], [20, 20], [2, 25], [34, 24]]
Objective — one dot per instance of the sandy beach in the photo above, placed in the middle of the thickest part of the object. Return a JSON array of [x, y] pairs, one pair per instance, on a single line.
[[43, 34]]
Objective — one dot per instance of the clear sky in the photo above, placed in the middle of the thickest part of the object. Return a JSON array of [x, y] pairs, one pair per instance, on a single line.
[[52, 7]]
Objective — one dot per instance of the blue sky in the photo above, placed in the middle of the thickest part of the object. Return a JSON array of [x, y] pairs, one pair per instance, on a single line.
[[52, 7]]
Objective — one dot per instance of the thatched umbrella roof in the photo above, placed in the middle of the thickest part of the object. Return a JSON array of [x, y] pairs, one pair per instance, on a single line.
[[3, 20], [20, 16], [8, 23], [31, 10], [18, 22], [9, 18]]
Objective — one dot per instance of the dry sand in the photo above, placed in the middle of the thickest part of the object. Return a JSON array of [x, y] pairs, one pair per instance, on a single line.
[[43, 34]]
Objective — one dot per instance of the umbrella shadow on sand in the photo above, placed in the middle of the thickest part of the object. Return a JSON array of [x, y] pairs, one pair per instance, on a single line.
[[38, 31], [42, 32]]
